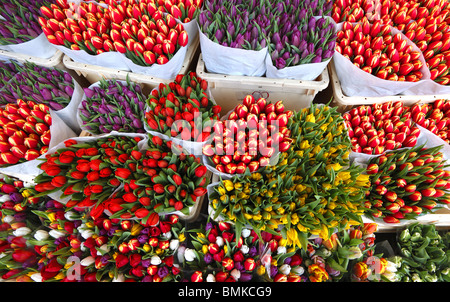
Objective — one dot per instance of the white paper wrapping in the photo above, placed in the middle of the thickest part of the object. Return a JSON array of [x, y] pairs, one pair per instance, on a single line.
[[356, 82], [304, 72], [232, 61], [69, 113], [38, 47]]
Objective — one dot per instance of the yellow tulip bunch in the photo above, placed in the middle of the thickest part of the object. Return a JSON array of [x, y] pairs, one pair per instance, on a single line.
[[312, 190]]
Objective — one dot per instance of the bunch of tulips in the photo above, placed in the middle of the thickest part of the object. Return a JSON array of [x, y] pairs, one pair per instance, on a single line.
[[140, 30], [373, 48], [406, 183], [434, 117], [374, 129]]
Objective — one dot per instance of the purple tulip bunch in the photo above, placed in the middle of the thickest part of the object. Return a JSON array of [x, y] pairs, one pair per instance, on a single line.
[[113, 106], [299, 36], [237, 23], [7, 72], [20, 22], [50, 86]]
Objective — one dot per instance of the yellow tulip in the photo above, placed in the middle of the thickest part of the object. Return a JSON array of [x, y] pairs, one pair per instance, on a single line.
[[228, 184], [292, 238]]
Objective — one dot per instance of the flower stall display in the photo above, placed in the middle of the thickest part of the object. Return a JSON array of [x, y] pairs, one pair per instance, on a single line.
[[145, 40], [183, 111], [124, 250], [111, 105], [423, 254], [249, 137], [217, 254], [20, 31], [375, 129], [407, 183], [312, 190], [53, 87]]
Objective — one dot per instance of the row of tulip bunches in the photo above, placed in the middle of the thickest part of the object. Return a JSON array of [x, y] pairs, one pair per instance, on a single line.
[[425, 23], [313, 189], [376, 128], [407, 183], [24, 131], [375, 49], [434, 117], [253, 133], [145, 32]]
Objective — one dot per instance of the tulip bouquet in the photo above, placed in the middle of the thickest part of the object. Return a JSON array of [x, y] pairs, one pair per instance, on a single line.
[[164, 180], [424, 254], [301, 38], [229, 23], [220, 254], [125, 250], [375, 49], [25, 131], [86, 172], [183, 109], [252, 135], [112, 105], [183, 10], [50, 86], [140, 31], [374, 129], [20, 21], [433, 117], [312, 190], [406, 183], [354, 11]]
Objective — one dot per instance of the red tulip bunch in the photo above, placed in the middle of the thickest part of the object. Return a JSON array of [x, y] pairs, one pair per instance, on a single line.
[[164, 180], [86, 172], [407, 183], [183, 10], [373, 48], [182, 109], [141, 31], [215, 246], [132, 252], [353, 10], [374, 129], [24, 131], [252, 133], [434, 117]]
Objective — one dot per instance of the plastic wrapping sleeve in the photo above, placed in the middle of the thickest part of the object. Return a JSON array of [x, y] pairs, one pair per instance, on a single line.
[[356, 82], [27, 171], [232, 61]]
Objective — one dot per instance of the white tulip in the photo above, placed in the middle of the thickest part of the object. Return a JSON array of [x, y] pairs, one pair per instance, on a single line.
[[41, 235], [155, 260], [245, 249], [119, 278], [4, 198], [70, 215], [87, 234], [219, 241], [210, 278], [174, 243], [236, 274], [22, 231], [167, 235], [87, 261], [8, 219], [245, 233], [285, 269], [189, 254], [56, 234], [103, 249], [299, 270], [281, 250], [36, 277]]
